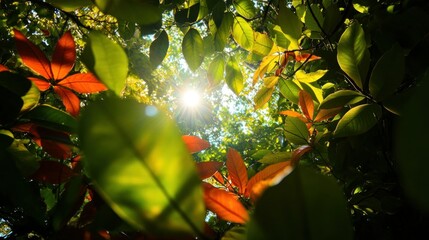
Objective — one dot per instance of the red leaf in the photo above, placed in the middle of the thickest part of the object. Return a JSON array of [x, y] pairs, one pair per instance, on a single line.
[[32, 56], [3, 68], [306, 104], [237, 170], [224, 204], [302, 57], [70, 100], [64, 56], [83, 83], [325, 114], [49, 141], [41, 84], [52, 172], [262, 179], [299, 152], [207, 169], [195, 144]]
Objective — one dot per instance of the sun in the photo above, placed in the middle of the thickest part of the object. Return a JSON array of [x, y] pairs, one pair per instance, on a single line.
[[191, 98]]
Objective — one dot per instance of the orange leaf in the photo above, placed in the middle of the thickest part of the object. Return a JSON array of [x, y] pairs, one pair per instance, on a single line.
[[195, 144], [291, 113], [325, 114], [207, 169], [299, 152], [70, 100], [49, 141], [224, 204], [261, 178], [64, 56], [83, 83], [41, 84], [3, 68], [237, 170], [218, 177], [52, 172], [306, 104], [302, 57], [32, 56]]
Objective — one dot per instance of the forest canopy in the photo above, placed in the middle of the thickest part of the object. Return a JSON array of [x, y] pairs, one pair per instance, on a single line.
[[213, 119]]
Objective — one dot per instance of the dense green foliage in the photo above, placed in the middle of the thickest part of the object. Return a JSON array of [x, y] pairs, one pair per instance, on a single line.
[[312, 125]]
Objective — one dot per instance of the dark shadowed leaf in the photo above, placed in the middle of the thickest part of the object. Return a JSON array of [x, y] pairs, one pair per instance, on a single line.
[[51, 117], [143, 12], [52, 172], [193, 48], [158, 49], [296, 131], [307, 204]]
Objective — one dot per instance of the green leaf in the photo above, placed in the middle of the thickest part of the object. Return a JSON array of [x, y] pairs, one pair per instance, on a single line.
[[31, 98], [242, 33], [52, 118], [107, 60], [272, 158], [388, 73], [68, 5], [280, 38], [411, 147], [358, 120], [139, 164], [25, 161], [289, 89], [193, 49], [308, 205], [234, 76], [341, 98], [216, 70], [224, 31], [353, 55], [302, 76], [291, 25], [296, 131], [159, 48], [186, 16], [6, 138], [235, 233], [245, 8], [310, 22], [143, 12], [315, 92], [262, 45], [263, 96]]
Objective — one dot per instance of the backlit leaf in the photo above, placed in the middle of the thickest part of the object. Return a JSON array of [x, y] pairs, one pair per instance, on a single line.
[[316, 203], [296, 131], [195, 144], [353, 55], [388, 73], [64, 56], [242, 33], [290, 25], [306, 103], [41, 84], [262, 45], [263, 96], [207, 169], [245, 8], [158, 49], [271, 81], [216, 70], [31, 98], [69, 6], [358, 120], [32, 56], [306, 57], [311, 22], [83, 83], [289, 89], [107, 60], [224, 204], [237, 170], [276, 157], [3, 68], [302, 76], [326, 113], [299, 152], [135, 148], [234, 76], [224, 31], [70, 101], [193, 48]]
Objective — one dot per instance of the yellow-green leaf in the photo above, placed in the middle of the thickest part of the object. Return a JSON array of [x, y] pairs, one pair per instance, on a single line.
[[242, 33], [234, 76], [223, 31], [291, 25], [245, 8], [263, 96], [138, 163], [358, 120], [193, 48], [216, 70], [296, 131], [262, 45], [353, 55], [302, 76]]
